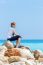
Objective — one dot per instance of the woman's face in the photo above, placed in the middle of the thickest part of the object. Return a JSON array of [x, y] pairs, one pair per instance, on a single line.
[[13, 26]]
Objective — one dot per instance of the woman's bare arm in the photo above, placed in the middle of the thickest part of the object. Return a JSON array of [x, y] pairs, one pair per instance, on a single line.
[[14, 31]]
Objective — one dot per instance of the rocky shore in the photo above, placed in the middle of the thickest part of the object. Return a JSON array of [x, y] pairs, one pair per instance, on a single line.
[[10, 55]]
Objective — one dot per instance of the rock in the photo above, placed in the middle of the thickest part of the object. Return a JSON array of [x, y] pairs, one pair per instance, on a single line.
[[25, 53], [23, 47], [37, 54], [40, 53], [40, 59], [1, 63], [19, 52], [18, 63], [7, 64], [2, 50], [8, 44], [19, 56], [14, 59], [3, 59], [12, 52], [28, 62]]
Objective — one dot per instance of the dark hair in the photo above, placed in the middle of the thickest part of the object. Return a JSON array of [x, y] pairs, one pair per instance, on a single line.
[[13, 23]]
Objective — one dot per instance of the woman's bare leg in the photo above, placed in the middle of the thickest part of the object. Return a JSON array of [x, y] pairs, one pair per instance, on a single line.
[[17, 42]]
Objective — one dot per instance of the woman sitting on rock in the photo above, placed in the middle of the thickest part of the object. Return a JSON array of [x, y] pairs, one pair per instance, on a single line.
[[12, 36]]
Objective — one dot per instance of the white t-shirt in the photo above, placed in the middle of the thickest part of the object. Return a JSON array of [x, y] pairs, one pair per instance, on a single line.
[[10, 32]]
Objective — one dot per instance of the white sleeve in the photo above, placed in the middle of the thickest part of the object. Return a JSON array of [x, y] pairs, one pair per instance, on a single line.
[[10, 34], [15, 32]]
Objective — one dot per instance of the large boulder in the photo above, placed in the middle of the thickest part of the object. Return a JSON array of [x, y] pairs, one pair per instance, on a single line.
[[1, 63], [37, 54], [9, 44], [18, 63], [26, 53], [14, 59], [3, 59], [19, 52], [12, 52], [2, 50]]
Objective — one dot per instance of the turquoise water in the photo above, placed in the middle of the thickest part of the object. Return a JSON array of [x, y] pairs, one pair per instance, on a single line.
[[33, 44]]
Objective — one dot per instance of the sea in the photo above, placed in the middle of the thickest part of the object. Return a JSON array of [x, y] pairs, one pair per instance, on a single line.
[[32, 44]]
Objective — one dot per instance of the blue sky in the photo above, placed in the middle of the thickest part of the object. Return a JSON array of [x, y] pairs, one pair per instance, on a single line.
[[28, 15]]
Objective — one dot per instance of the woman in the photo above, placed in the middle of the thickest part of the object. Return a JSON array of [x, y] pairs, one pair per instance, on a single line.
[[13, 34]]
